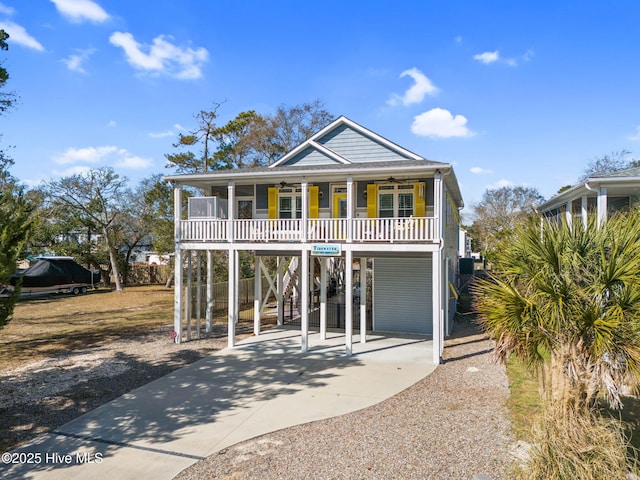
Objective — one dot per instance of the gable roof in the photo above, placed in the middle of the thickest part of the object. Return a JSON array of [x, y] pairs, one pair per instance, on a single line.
[[325, 147], [333, 158]]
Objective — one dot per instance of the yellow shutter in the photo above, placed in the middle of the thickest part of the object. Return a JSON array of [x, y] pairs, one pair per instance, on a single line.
[[273, 202], [314, 201], [372, 200], [420, 207]]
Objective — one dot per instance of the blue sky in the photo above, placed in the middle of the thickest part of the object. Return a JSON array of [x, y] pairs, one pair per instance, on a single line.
[[522, 93]]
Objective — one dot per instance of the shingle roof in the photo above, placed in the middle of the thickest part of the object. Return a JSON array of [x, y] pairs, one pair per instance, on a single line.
[[628, 172]]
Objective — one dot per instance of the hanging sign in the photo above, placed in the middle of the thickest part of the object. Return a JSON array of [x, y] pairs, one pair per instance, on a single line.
[[326, 250]]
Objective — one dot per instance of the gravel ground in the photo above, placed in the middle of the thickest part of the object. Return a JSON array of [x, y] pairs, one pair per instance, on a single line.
[[41, 396], [451, 425]]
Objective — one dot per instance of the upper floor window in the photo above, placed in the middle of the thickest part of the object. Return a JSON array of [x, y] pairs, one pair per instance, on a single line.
[[395, 201], [245, 209], [290, 203]]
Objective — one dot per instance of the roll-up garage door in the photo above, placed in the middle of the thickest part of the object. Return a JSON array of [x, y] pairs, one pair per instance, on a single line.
[[402, 295]]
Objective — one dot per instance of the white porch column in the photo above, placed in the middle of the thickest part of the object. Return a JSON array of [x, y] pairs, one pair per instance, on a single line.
[[312, 279], [363, 300], [584, 210], [348, 302], [189, 291], [236, 300], [257, 296], [438, 211], [445, 297], [568, 211], [437, 298], [199, 292], [177, 292], [304, 300], [323, 298], [350, 212], [209, 291], [602, 206], [437, 204], [280, 293], [230, 209], [231, 321], [305, 210]]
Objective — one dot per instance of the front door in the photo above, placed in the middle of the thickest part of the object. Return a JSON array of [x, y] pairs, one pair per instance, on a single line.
[[339, 210], [340, 205]]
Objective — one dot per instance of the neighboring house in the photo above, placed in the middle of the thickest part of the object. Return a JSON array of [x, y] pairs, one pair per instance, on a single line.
[[345, 193], [79, 237], [154, 258], [464, 244], [598, 196], [142, 252]]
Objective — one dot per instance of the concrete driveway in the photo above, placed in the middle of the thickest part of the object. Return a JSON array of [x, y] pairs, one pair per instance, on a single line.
[[263, 384]]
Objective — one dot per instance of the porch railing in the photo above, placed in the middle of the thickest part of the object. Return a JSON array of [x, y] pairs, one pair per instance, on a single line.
[[413, 229]]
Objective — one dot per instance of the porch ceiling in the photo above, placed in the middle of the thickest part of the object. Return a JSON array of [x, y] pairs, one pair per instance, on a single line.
[[323, 173], [369, 170]]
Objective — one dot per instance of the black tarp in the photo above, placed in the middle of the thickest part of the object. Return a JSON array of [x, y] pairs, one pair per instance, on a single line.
[[48, 272]]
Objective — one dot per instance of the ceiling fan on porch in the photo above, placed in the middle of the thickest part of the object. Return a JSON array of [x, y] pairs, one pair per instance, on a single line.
[[396, 180]]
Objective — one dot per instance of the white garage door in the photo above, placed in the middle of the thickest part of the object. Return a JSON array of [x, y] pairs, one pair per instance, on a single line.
[[402, 295]]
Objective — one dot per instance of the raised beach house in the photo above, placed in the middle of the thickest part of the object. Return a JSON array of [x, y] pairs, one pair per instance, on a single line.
[[345, 198]]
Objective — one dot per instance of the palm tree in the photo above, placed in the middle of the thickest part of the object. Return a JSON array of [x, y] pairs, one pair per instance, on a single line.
[[567, 299]]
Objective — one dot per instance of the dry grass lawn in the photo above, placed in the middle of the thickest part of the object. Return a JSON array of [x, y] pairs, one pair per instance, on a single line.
[[50, 326], [64, 355]]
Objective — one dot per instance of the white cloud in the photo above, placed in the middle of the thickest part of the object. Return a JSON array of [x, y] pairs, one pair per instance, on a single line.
[[417, 92], [111, 124], [74, 62], [458, 40], [135, 56], [487, 57], [86, 155], [501, 183], [131, 162], [162, 57], [33, 182], [6, 9], [19, 35], [105, 155], [78, 11], [77, 170], [636, 136], [493, 57], [440, 123], [480, 170], [168, 133]]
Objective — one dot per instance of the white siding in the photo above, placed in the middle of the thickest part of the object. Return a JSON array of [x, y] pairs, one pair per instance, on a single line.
[[402, 295]]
